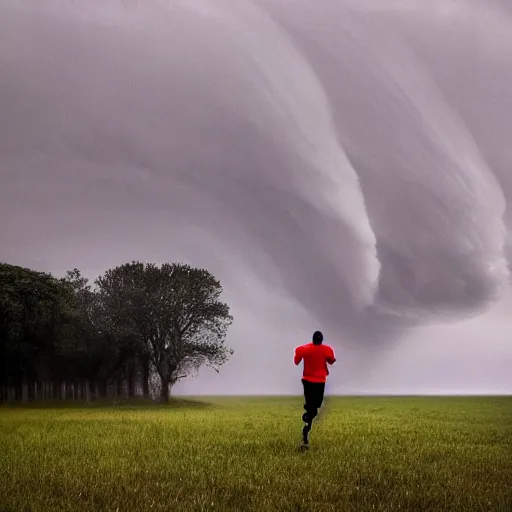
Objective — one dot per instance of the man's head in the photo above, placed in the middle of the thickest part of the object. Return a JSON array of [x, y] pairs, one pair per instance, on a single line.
[[318, 337]]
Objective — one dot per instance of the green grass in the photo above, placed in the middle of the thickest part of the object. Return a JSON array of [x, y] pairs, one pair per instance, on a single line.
[[240, 454]]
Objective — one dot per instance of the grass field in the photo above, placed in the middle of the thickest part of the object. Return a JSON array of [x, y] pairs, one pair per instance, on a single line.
[[240, 454]]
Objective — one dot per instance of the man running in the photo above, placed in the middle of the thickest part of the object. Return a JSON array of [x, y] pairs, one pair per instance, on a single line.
[[315, 356]]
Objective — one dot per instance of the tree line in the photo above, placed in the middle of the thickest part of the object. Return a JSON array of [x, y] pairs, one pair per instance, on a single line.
[[62, 338]]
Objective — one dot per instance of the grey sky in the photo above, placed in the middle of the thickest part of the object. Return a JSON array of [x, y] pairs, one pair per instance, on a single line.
[[339, 165]]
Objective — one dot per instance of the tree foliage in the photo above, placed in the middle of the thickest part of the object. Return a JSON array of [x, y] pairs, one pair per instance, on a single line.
[[36, 318]]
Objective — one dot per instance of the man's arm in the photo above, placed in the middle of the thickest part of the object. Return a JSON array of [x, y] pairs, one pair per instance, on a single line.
[[331, 359], [298, 356]]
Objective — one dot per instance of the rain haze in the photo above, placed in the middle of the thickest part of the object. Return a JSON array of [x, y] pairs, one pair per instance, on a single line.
[[342, 165]]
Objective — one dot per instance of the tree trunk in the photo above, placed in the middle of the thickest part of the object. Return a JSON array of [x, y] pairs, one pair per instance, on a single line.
[[87, 391], [145, 377], [131, 382], [131, 386], [164, 392], [163, 371]]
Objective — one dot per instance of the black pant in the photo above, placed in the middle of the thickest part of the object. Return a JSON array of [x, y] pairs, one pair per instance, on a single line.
[[314, 396]]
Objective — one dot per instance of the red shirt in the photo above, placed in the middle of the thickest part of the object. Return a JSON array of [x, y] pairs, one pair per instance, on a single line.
[[315, 358]]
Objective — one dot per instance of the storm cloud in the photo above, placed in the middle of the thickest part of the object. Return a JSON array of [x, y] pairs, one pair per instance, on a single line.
[[352, 158]]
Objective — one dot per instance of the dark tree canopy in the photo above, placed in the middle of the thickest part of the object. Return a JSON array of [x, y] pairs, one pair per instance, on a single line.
[[174, 312], [60, 338], [36, 322]]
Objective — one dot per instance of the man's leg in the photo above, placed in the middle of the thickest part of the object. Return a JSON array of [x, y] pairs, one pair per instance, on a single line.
[[319, 394], [308, 406], [310, 402]]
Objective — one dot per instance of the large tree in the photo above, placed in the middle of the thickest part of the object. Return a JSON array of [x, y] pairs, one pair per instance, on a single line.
[[174, 311]]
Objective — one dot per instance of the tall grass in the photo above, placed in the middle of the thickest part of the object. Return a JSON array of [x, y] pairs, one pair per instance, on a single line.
[[241, 454]]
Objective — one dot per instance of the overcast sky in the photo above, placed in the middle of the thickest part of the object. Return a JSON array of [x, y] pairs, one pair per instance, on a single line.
[[342, 165]]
